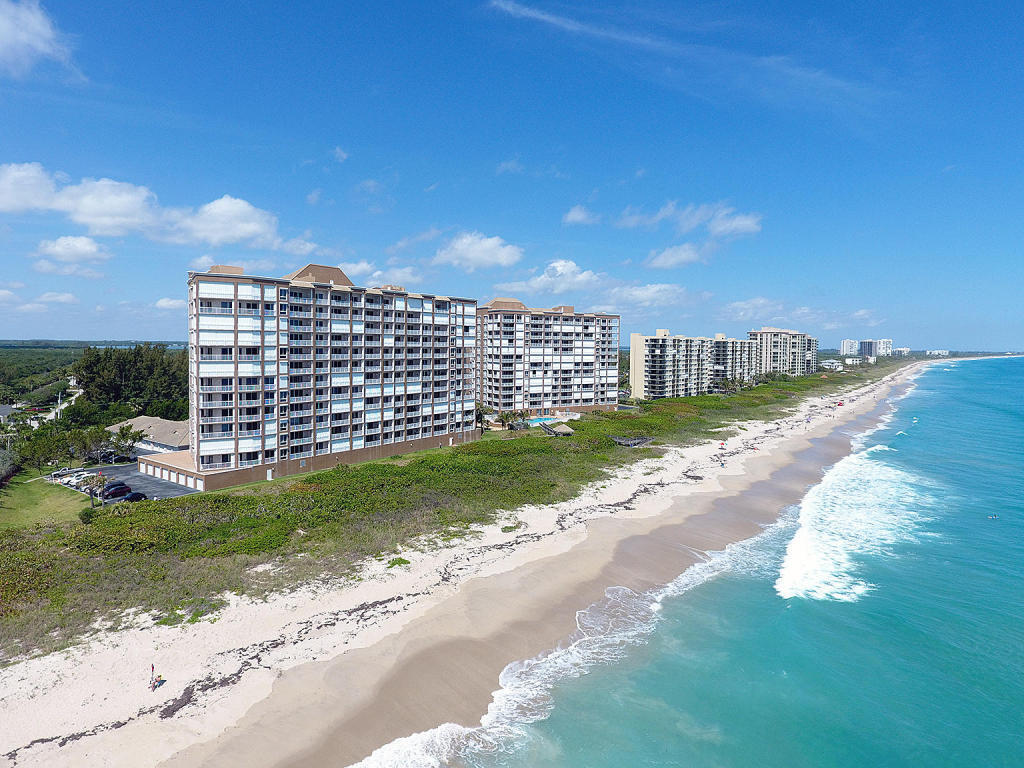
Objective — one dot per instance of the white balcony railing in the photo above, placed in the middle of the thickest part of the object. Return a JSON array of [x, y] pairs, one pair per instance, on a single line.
[[215, 465]]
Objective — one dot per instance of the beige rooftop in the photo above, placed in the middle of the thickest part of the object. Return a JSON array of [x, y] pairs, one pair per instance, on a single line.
[[319, 273], [515, 305], [162, 431]]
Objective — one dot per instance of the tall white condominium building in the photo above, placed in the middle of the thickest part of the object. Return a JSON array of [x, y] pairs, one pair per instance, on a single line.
[[546, 360], [883, 348], [849, 347], [780, 350], [308, 371], [733, 359], [901, 351], [663, 365]]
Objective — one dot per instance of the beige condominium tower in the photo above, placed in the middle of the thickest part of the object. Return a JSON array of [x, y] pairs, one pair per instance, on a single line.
[[780, 350], [546, 360], [308, 371], [664, 365]]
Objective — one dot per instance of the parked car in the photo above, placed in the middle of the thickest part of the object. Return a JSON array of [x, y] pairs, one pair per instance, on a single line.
[[113, 484], [135, 496], [116, 492], [77, 479], [62, 472]]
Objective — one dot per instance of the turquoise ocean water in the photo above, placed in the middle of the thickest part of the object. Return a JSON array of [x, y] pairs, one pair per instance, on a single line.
[[879, 623]]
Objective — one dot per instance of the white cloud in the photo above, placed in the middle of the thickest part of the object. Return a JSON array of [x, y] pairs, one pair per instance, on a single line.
[[7, 296], [48, 267], [725, 222], [251, 266], [474, 250], [340, 154], [50, 297], [108, 207], [73, 249], [757, 308], [14, 284], [578, 214], [509, 166], [403, 276], [761, 309], [420, 237], [720, 220], [558, 277], [112, 208], [32, 307], [647, 296], [170, 303], [28, 35], [25, 187], [314, 197], [371, 274], [673, 256], [228, 220], [357, 268]]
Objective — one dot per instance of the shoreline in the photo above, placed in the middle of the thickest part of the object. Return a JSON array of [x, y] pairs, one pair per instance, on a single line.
[[270, 674]]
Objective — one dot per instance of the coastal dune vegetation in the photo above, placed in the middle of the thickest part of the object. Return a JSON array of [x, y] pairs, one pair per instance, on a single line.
[[177, 558]]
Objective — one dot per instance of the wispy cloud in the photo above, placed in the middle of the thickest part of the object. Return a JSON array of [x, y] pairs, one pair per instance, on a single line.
[[579, 214], [420, 237], [713, 69], [28, 36], [761, 309]]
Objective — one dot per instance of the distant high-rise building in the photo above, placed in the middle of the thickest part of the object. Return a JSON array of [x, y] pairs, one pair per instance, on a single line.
[[546, 360], [780, 350], [848, 347], [901, 351], [868, 348], [884, 347], [308, 371], [663, 365]]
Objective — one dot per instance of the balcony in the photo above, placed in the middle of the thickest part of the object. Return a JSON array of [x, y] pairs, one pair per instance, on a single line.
[[248, 357], [250, 417], [216, 419], [215, 465], [247, 388], [218, 388], [255, 312], [216, 310], [249, 463], [210, 358], [300, 454], [299, 313]]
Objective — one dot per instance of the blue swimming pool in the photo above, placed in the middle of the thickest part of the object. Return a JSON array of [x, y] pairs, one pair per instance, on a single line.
[[536, 421]]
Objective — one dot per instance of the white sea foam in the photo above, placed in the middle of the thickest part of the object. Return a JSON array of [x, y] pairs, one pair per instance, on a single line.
[[862, 507], [605, 632]]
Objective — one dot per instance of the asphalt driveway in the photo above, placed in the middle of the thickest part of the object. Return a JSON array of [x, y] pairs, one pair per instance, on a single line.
[[153, 487]]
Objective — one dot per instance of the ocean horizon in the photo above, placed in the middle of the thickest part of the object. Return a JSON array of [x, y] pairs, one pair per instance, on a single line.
[[879, 622]]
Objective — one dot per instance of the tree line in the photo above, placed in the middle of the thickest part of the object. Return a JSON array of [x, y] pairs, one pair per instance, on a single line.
[[117, 384]]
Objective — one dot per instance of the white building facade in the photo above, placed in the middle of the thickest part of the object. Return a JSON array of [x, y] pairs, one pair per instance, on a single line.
[[849, 347], [664, 365], [308, 371], [884, 348], [781, 350], [546, 360]]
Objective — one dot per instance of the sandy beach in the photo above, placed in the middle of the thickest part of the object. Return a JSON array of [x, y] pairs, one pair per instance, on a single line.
[[329, 673]]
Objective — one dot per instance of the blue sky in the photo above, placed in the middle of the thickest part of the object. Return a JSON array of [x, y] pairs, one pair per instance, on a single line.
[[853, 172]]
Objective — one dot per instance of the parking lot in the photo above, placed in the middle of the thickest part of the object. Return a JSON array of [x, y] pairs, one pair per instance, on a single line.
[[153, 487]]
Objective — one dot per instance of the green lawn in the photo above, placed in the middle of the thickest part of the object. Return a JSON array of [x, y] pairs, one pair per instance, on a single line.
[[25, 503]]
